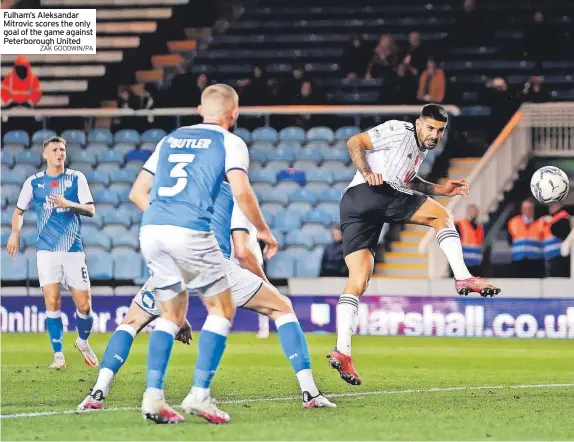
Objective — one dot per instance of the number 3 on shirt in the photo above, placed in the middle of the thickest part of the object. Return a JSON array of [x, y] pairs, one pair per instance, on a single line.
[[178, 171]]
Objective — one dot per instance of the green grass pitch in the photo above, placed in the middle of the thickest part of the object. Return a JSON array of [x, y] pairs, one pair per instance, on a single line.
[[413, 389]]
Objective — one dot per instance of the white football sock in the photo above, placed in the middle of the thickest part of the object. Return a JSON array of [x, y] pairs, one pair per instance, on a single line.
[[263, 322], [105, 377], [346, 313], [306, 382], [449, 242], [199, 393]]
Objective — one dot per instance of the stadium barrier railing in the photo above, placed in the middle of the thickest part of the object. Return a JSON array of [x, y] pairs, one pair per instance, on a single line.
[[545, 130]]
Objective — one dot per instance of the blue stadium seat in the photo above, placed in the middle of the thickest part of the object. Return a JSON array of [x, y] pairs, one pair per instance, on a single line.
[[317, 216], [16, 137], [123, 176], [110, 156], [298, 238], [13, 149], [74, 136], [317, 187], [346, 175], [317, 175], [299, 207], [321, 133], [297, 251], [264, 134], [334, 166], [280, 266], [106, 197], [95, 221], [317, 145], [331, 208], [322, 237], [23, 171], [306, 165], [41, 135], [5, 236], [28, 157], [259, 156], [96, 241], [129, 210], [109, 167], [303, 194], [309, 266], [262, 187], [96, 148], [127, 241], [272, 196], [123, 191], [113, 230], [287, 222], [14, 269], [100, 135], [100, 265], [30, 239], [280, 155], [280, 236], [286, 187], [295, 175], [266, 146], [346, 132], [336, 154], [263, 176], [136, 156], [30, 218], [128, 266], [331, 194], [153, 135], [277, 165], [290, 145], [127, 136], [243, 133], [83, 158], [126, 148], [7, 159], [269, 217], [273, 208], [292, 133], [32, 259], [11, 195], [309, 155], [117, 218]]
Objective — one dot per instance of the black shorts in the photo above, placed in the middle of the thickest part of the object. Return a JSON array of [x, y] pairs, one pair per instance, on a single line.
[[365, 209]]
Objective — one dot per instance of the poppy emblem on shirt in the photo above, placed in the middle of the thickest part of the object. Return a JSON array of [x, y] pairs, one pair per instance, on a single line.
[[54, 184]]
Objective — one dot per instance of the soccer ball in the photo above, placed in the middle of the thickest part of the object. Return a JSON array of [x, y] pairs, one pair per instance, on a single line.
[[549, 184]]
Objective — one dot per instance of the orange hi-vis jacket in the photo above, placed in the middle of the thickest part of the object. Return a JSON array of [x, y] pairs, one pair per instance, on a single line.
[[551, 244], [14, 89], [471, 240], [526, 239]]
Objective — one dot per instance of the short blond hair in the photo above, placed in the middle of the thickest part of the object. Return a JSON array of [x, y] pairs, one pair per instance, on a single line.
[[218, 100]]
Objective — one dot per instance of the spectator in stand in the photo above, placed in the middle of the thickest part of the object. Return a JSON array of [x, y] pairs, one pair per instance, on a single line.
[[333, 262], [416, 53], [355, 58], [309, 95], [472, 237], [182, 90], [401, 88], [469, 26], [533, 91], [21, 86], [291, 87], [557, 227], [502, 105], [201, 84], [541, 39], [255, 89], [432, 84], [525, 237], [126, 98], [385, 59]]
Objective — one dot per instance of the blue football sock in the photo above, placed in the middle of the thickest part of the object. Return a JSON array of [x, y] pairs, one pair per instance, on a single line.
[[118, 348], [293, 342], [55, 330], [84, 324], [211, 345], [159, 352]]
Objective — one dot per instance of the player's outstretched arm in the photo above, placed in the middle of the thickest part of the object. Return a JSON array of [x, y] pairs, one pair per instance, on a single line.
[[140, 191], [358, 145], [245, 197], [450, 188], [13, 244]]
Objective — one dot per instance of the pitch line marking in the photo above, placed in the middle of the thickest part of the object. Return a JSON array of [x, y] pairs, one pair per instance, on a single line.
[[291, 398]]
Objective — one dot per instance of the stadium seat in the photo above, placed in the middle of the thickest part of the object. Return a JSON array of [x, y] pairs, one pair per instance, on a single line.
[[100, 135], [277, 165], [322, 237], [292, 133], [298, 238], [308, 155], [96, 241], [317, 187], [321, 133], [74, 136], [303, 194], [123, 176], [258, 156], [281, 266], [297, 252], [113, 230], [331, 208], [336, 154], [345, 176], [109, 167], [128, 265], [272, 196], [334, 166], [293, 145], [286, 187], [262, 187], [299, 207], [126, 242], [123, 191], [7, 159], [100, 265], [266, 146], [295, 175], [127, 148], [23, 171], [263, 176], [317, 175], [309, 266], [30, 217], [41, 135], [30, 239], [305, 165], [153, 135], [83, 159], [243, 133], [32, 259], [16, 137], [136, 156], [346, 132], [110, 156], [287, 222], [127, 136], [281, 155], [5, 236], [269, 217], [96, 220], [117, 217], [317, 145], [14, 269], [317, 216], [280, 237], [264, 134], [273, 208], [96, 148], [13, 149], [28, 157], [106, 197], [331, 194]]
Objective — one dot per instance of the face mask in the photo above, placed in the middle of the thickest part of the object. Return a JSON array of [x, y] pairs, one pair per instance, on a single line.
[[21, 72]]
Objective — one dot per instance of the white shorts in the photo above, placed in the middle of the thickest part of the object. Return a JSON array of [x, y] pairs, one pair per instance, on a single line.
[[176, 256], [244, 285], [66, 268]]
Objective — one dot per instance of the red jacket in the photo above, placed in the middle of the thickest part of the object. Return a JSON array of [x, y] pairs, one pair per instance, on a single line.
[[18, 90]]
